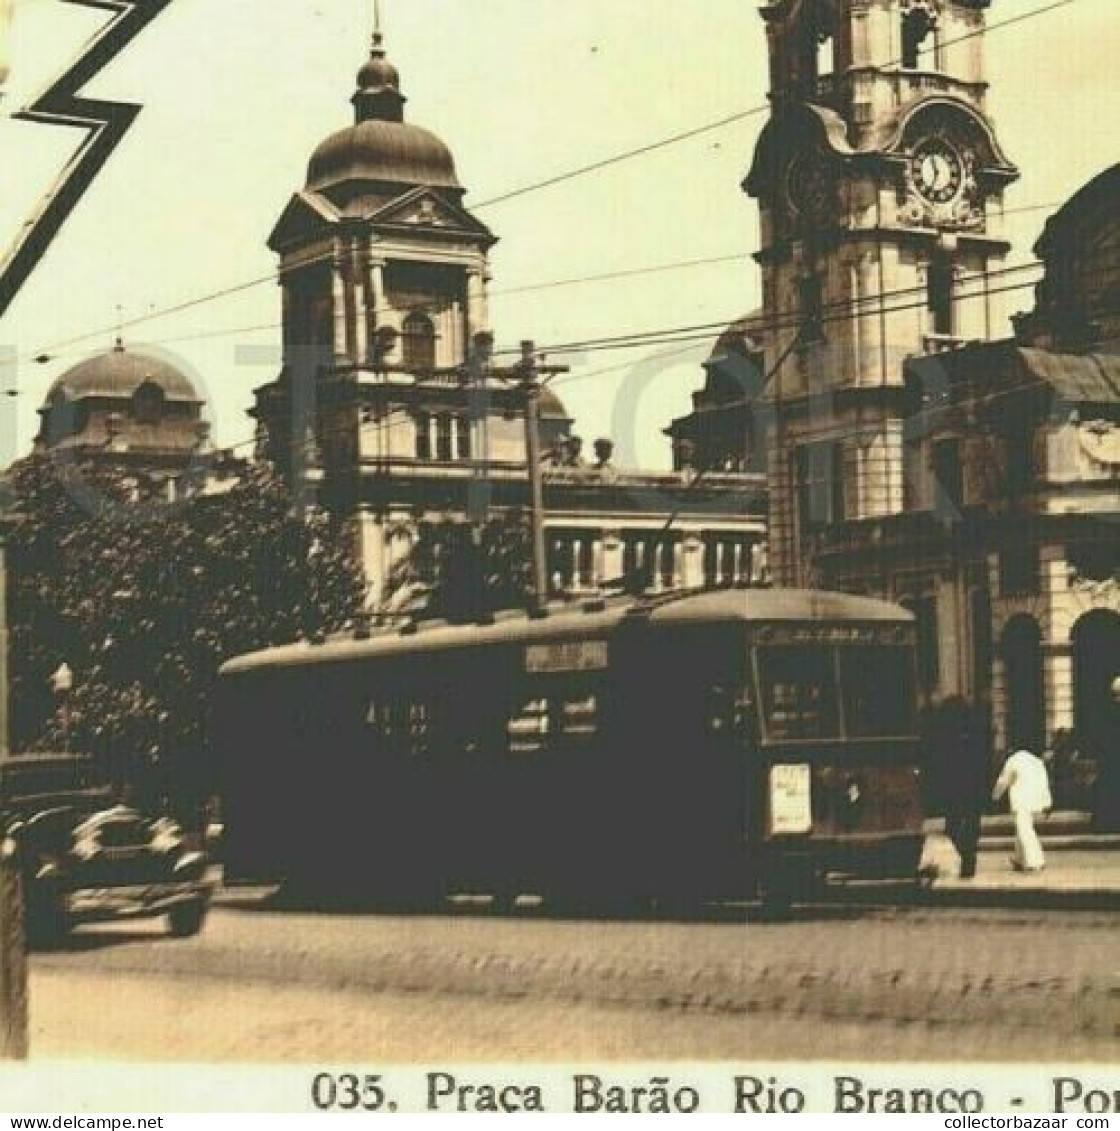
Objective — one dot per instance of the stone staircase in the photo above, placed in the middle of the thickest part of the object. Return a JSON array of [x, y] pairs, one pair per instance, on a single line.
[[1061, 829]]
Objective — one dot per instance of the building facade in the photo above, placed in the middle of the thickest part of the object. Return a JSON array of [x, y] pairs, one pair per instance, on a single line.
[[880, 182], [917, 452], [392, 409]]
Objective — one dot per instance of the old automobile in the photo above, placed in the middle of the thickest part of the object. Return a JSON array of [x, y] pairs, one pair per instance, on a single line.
[[81, 866]]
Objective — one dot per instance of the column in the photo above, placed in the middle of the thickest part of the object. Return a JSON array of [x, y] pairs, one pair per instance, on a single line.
[[677, 547], [376, 308], [1057, 675], [611, 562], [338, 294], [359, 259], [951, 638], [641, 548], [478, 318], [692, 562], [598, 575], [372, 555], [377, 287], [657, 564]]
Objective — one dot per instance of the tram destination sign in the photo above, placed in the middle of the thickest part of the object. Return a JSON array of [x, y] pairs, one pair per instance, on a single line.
[[832, 634], [566, 656]]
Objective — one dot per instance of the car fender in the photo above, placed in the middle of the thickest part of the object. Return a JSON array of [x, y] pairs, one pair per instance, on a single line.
[[190, 865]]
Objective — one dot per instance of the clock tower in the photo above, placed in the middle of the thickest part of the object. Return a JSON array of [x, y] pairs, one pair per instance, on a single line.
[[880, 183]]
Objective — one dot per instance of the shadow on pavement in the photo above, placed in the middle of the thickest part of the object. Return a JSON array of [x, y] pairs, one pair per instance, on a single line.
[[90, 939], [290, 899]]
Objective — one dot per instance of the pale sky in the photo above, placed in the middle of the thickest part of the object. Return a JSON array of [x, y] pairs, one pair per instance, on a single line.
[[237, 93]]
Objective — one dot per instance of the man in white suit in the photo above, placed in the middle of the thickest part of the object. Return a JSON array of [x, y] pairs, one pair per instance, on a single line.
[[1025, 781]]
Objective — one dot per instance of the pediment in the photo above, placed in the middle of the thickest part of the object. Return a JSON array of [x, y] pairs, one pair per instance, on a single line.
[[426, 210], [305, 216]]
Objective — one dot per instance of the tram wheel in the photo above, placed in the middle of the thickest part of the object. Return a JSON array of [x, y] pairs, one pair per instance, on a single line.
[[776, 892]]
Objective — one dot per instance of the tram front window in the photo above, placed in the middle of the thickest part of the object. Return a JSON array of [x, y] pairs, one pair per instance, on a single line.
[[877, 685], [798, 684], [816, 692]]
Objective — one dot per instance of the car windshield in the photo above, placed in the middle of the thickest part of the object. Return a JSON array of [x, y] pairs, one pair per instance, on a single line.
[[814, 691]]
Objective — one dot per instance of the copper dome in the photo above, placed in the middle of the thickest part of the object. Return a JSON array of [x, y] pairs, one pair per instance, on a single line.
[[380, 151], [118, 374]]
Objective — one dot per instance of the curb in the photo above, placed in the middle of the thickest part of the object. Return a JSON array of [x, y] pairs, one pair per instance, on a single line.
[[1050, 899], [955, 893], [1080, 842]]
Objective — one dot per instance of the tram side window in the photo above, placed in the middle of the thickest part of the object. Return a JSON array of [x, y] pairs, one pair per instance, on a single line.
[[541, 723], [798, 686]]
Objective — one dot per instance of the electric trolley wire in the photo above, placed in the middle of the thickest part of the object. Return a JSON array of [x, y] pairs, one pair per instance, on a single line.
[[639, 338], [404, 413], [527, 189], [732, 119]]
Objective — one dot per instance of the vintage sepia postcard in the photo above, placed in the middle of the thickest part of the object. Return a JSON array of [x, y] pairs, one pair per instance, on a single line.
[[560, 557]]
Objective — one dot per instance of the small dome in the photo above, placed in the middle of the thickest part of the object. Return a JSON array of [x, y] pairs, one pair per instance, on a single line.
[[551, 406], [376, 150], [379, 74], [118, 374], [738, 338]]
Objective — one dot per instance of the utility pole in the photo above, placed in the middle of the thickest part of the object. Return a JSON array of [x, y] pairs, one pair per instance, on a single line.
[[526, 377], [478, 489], [532, 390]]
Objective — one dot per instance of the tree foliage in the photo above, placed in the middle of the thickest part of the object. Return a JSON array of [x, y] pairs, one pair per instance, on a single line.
[[459, 572], [144, 602]]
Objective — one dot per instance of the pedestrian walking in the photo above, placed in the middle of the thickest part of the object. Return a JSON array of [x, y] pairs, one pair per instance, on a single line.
[[963, 754], [1027, 785]]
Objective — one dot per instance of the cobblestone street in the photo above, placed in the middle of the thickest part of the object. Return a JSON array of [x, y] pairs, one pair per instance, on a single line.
[[838, 982]]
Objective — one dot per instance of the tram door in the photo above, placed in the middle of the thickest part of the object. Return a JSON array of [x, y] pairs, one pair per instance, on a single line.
[[689, 779]]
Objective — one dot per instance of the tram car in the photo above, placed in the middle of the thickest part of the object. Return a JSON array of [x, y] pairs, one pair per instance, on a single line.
[[697, 747]]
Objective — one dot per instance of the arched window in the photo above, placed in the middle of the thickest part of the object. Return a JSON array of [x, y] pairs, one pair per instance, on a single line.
[[419, 347], [1096, 665], [147, 403], [920, 47], [939, 296], [1021, 651]]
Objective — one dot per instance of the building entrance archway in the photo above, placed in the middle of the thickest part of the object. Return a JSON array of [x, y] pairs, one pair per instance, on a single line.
[[1021, 651], [1096, 704]]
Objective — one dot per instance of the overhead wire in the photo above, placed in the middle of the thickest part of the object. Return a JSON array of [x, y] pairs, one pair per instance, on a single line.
[[524, 190]]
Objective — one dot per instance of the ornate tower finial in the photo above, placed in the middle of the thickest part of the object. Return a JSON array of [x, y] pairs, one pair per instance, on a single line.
[[379, 83]]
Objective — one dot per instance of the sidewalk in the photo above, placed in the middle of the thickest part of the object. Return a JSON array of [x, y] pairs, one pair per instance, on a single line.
[[1074, 877], [1060, 830]]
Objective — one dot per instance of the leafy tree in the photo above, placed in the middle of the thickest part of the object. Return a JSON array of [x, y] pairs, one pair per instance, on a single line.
[[461, 573], [143, 602]]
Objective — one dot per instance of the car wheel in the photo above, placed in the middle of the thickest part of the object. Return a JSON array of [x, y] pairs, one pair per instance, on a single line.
[[187, 918], [48, 925]]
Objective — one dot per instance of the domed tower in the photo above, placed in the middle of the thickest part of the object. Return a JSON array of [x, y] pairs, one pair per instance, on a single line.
[[128, 409], [384, 276], [380, 264]]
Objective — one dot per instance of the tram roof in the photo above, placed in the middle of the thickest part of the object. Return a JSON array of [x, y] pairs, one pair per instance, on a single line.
[[573, 622]]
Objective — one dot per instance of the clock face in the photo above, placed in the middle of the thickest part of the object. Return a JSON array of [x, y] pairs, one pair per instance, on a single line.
[[810, 187], [937, 170]]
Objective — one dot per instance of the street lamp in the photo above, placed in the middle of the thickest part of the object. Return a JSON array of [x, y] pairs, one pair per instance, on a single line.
[[62, 683]]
